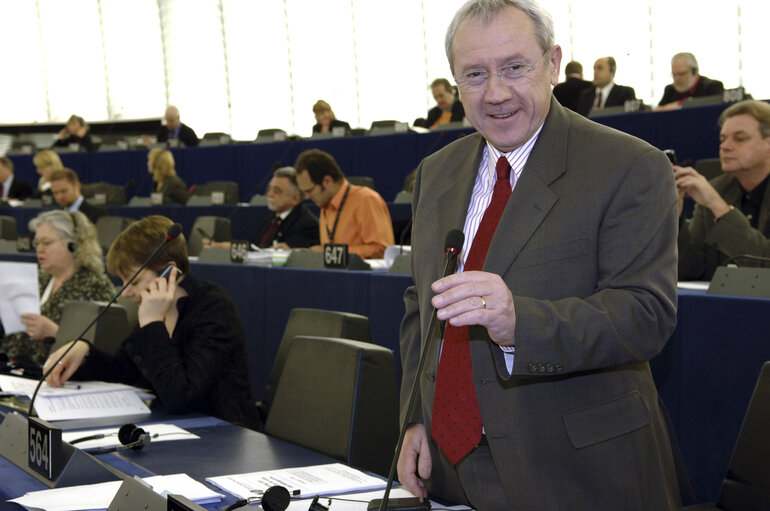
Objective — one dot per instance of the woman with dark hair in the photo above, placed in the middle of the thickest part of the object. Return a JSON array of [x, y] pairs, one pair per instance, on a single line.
[[71, 268], [189, 347], [75, 132]]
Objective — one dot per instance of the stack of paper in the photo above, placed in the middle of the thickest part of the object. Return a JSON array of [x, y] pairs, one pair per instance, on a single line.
[[99, 496], [331, 479], [79, 400]]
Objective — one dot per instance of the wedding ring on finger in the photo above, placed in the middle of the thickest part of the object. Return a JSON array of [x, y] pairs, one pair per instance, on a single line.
[[483, 302]]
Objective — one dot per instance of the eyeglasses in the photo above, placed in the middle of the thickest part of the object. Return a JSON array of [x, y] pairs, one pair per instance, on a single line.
[[43, 243], [475, 81], [310, 190]]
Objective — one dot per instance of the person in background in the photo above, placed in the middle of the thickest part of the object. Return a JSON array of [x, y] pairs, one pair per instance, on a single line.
[[325, 119], [160, 163], [291, 225], [46, 161], [174, 133], [75, 133], [687, 83], [732, 211], [448, 108], [190, 345], [67, 192], [10, 186], [568, 91], [356, 216], [71, 268], [605, 92]]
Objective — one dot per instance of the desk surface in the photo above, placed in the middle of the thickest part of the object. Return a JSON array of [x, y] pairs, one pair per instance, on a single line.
[[705, 374]]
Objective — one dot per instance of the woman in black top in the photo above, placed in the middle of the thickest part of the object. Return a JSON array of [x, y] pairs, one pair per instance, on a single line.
[[190, 346]]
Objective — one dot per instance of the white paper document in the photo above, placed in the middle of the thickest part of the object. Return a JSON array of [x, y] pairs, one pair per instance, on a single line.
[[19, 293], [98, 496], [330, 479], [78, 400], [157, 432], [360, 501]]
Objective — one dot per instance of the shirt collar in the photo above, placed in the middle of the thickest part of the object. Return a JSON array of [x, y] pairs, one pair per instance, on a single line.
[[516, 158], [605, 90], [7, 186], [75, 206]]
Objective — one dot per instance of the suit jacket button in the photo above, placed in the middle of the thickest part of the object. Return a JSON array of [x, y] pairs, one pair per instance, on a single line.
[[431, 376], [541, 368], [550, 368], [532, 367], [559, 368]]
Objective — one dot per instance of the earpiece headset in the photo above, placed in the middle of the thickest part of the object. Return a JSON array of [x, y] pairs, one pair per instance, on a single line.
[[130, 436], [72, 246]]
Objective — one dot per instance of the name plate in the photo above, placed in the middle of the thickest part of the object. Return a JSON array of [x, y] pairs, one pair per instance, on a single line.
[[24, 243], [632, 105], [45, 448], [335, 255], [218, 198], [156, 198], [733, 95], [238, 250]]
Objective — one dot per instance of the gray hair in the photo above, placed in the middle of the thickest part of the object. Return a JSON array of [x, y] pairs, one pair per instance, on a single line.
[[290, 174], [759, 110], [486, 10], [689, 58], [75, 227]]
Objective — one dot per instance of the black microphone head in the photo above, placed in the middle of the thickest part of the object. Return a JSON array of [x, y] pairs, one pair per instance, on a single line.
[[174, 231], [454, 241]]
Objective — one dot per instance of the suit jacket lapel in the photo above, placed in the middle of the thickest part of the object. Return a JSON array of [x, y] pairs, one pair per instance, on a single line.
[[532, 197]]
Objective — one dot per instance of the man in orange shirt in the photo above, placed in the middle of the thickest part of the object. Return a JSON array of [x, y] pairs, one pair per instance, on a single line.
[[353, 215]]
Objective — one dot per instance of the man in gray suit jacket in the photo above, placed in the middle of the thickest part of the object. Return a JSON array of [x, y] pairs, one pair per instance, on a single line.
[[732, 213], [577, 292]]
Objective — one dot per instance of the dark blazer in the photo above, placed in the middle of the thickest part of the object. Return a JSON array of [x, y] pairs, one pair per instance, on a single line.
[[587, 246], [186, 135], [618, 96], [20, 189], [704, 87], [85, 142], [298, 230], [704, 244], [201, 368], [92, 211], [336, 123], [458, 113], [174, 190], [568, 92]]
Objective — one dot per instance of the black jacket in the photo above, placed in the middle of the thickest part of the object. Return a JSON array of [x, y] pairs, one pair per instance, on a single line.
[[618, 96], [458, 113], [568, 92], [704, 87], [92, 211], [20, 189], [298, 230], [186, 135], [201, 368]]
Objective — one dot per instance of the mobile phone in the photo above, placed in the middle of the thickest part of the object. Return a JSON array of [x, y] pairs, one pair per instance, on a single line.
[[165, 274], [671, 155], [401, 504]]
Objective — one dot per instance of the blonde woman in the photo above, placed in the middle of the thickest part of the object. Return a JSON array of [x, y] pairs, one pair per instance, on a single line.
[[71, 268], [160, 163], [46, 162], [325, 118]]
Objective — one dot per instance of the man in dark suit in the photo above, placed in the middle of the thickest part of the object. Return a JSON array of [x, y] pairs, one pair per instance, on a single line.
[[605, 92], [732, 212], [568, 91], [292, 225], [10, 186], [548, 401], [66, 190], [687, 83], [175, 133], [448, 108]]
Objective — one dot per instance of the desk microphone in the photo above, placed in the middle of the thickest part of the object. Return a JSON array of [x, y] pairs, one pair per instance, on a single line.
[[453, 244], [173, 232]]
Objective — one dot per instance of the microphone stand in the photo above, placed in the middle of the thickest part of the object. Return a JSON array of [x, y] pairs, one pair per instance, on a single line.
[[451, 256], [174, 231]]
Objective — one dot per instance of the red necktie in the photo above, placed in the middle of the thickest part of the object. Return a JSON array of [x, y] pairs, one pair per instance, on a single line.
[[267, 238], [599, 100], [456, 420]]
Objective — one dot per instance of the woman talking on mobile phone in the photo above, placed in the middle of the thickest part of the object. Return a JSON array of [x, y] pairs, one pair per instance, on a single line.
[[189, 347]]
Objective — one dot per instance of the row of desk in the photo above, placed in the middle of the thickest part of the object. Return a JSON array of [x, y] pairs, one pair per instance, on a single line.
[[692, 132], [244, 219]]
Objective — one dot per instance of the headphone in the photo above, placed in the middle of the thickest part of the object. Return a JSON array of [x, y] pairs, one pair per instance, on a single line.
[[72, 246], [130, 436]]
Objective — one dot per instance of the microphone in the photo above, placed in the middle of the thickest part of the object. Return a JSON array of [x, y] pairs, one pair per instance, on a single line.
[[453, 244], [746, 256], [173, 232]]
